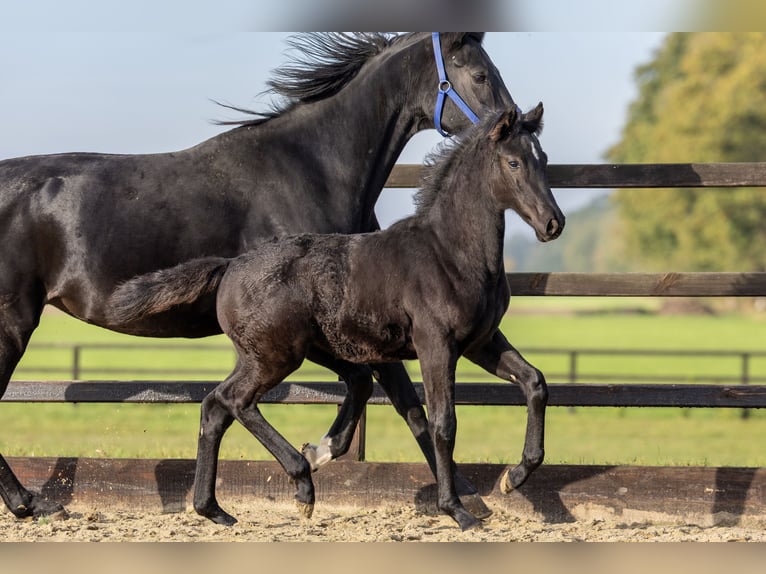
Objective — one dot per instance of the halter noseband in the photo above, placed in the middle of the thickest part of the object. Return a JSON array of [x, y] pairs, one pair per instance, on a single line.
[[445, 89]]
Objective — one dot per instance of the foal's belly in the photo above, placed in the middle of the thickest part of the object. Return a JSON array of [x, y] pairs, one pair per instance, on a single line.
[[358, 342]]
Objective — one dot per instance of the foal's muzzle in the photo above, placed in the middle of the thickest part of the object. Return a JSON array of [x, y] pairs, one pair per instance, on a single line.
[[553, 229]]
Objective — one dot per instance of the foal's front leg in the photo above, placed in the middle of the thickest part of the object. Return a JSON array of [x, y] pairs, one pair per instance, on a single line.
[[501, 359], [438, 364]]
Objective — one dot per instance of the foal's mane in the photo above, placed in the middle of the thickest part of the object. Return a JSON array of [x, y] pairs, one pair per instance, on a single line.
[[320, 65], [438, 164]]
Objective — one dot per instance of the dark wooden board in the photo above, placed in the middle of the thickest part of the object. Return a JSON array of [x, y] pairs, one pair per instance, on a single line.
[[556, 493], [693, 284], [626, 175], [560, 394]]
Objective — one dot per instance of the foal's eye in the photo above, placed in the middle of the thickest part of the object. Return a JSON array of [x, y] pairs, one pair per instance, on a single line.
[[480, 78], [514, 164]]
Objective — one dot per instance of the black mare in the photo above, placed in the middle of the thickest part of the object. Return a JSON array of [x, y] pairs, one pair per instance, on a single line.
[[444, 296], [73, 226]]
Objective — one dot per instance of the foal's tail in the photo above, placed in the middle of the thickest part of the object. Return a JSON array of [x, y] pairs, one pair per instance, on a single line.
[[162, 290]]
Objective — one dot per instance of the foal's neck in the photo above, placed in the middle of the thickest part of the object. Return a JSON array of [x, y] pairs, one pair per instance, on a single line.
[[471, 228]]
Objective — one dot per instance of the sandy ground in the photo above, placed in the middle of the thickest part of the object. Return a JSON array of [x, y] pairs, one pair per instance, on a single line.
[[268, 521]]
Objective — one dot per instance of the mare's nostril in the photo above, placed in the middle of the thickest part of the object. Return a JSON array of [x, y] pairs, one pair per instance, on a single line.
[[552, 228]]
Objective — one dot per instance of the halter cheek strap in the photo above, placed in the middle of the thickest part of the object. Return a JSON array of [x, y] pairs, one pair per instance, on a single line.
[[446, 89]]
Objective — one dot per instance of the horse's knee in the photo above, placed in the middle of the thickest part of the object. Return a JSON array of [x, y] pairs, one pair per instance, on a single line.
[[359, 383], [534, 386]]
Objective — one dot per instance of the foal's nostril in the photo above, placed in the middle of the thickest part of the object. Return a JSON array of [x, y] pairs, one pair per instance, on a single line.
[[553, 228]]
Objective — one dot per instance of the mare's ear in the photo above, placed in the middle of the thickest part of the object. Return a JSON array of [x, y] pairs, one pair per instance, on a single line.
[[532, 121], [504, 125], [454, 40]]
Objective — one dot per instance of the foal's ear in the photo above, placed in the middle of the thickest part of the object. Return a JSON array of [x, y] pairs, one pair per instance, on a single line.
[[532, 121], [504, 125]]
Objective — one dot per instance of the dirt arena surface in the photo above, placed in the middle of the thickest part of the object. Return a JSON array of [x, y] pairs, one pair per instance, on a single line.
[[266, 521]]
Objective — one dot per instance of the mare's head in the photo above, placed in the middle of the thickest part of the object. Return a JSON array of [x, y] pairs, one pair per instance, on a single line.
[[519, 179], [469, 74]]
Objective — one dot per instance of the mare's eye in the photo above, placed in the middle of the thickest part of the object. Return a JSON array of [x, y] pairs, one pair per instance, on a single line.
[[480, 78], [514, 164]]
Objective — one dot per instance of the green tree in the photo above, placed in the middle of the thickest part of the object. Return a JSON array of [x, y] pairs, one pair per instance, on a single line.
[[702, 99]]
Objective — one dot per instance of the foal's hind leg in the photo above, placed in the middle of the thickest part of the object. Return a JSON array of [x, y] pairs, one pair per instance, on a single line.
[[338, 439], [214, 421], [238, 396], [18, 318], [501, 359]]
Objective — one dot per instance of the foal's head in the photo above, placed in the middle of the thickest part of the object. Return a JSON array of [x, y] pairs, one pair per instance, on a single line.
[[519, 180]]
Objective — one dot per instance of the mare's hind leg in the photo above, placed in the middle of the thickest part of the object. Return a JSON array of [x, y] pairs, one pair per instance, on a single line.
[[395, 380], [18, 318], [501, 359], [338, 439]]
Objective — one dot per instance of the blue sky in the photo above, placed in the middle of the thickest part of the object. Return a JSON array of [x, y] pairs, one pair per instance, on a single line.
[[84, 86]]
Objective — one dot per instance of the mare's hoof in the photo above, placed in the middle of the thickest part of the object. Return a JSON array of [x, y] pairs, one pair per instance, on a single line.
[[304, 509], [317, 455], [475, 505]]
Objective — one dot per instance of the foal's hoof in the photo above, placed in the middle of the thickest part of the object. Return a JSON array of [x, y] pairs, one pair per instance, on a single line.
[[475, 505], [469, 522], [505, 483], [40, 507], [218, 515], [513, 479], [304, 509]]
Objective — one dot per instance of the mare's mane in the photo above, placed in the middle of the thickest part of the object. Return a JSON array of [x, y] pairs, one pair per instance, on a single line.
[[320, 65]]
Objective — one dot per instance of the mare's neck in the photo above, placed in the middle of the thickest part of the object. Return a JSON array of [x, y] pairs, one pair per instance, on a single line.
[[358, 134]]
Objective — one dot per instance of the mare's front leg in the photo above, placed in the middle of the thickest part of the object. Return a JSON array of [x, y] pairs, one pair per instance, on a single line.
[[336, 442], [501, 359], [19, 315], [438, 359]]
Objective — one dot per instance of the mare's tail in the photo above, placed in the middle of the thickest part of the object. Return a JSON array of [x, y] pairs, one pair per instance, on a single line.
[[162, 290]]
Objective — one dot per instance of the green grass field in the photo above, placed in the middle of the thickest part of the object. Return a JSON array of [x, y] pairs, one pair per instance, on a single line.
[[717, 437]]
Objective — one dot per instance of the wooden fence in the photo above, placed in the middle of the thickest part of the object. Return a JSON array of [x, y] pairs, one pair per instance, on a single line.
[[717, 495], [84, 361]]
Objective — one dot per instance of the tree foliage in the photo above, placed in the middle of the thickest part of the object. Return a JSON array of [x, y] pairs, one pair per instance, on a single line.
[[702, 99]]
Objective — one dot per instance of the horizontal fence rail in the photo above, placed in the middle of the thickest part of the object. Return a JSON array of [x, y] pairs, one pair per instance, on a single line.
[[80, 368], [479, 394], [573, 176], [570, 284]]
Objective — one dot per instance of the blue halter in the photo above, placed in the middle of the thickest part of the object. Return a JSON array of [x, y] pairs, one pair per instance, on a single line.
[[446, 89]]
